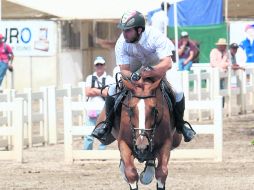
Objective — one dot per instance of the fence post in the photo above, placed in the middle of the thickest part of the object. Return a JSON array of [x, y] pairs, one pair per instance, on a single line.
[[45, 114], [186, 90], [218, 122], [82, 98], [18, 126], [29, 116], [243, 91], [52, 115], [67, 130]]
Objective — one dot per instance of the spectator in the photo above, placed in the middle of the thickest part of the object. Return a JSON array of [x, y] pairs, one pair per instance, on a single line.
[[186, 52], [160, 19], [6, 57], [94, 84], [233, 56], [219, 56]]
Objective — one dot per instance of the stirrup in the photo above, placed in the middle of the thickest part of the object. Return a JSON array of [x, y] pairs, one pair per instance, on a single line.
[[186, 122]]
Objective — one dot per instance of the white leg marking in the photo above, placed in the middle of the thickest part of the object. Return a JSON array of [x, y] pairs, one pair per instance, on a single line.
[[160, 185], [133, 185]]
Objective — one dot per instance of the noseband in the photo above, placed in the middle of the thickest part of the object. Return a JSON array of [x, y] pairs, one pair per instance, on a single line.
[[148, 153]]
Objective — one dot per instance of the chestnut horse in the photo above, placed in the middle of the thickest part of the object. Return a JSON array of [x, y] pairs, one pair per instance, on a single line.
[[147, 132]]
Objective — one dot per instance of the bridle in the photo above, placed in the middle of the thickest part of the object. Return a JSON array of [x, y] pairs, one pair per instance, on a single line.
[[149, 152]]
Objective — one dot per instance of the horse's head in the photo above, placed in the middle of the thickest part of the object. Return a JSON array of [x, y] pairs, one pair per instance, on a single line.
[[142, 104]]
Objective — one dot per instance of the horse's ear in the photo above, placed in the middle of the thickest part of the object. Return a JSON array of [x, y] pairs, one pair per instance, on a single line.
[[128, 84], [155, 85]]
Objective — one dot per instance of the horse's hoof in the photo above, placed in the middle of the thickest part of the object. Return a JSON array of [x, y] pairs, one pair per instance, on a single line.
[[146, 176]]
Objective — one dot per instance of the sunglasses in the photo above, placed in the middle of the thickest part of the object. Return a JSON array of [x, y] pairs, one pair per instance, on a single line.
[[98, 64]]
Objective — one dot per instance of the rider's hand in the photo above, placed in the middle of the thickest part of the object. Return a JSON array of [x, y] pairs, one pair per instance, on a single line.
[[135, 76], [147, 72]]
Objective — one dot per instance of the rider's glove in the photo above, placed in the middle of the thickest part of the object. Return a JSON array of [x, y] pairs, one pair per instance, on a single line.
[[135, 76]]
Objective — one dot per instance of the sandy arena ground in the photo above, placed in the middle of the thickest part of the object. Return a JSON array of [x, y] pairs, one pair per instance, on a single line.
[[44, 167]]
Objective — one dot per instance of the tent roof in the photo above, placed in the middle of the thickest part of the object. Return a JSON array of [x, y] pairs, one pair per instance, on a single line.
[[102, 9], [88, 9]]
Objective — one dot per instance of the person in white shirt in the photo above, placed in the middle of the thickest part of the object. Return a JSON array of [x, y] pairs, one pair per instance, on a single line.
[[233, 48], [137, 48], [160, 19], [96, 97]]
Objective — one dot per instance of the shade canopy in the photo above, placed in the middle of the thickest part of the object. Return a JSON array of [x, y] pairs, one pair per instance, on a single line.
[[87, 9]]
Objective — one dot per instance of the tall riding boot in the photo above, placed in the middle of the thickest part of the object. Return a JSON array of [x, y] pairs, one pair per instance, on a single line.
[[106, 126], [188, 133]]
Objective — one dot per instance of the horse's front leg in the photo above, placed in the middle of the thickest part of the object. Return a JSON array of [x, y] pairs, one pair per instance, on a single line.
[[161, 171], [127, 164]]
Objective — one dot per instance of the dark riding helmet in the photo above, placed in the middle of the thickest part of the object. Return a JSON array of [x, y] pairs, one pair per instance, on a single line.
[[132, 19]]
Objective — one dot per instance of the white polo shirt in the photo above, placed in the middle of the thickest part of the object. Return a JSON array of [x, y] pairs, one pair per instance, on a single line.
[[148, 51]]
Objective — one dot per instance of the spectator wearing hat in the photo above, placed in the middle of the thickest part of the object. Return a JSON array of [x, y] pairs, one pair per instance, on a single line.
[[219, 56], [233, 56], [186, 51], [94, 85], [6, 57]]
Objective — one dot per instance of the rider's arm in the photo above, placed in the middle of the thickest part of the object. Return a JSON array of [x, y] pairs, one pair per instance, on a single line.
[[158, 70], [125, 69]]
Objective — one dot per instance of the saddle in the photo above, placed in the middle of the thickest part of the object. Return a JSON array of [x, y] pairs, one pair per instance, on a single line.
[[169, 97]]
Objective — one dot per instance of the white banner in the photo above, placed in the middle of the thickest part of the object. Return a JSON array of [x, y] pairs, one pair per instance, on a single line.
[[239, 32], [30, 38]]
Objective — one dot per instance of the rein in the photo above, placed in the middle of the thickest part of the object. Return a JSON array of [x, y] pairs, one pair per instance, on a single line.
[[149, 154]]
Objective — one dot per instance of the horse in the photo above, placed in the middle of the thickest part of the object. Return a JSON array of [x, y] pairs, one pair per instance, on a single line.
[[144, 129]]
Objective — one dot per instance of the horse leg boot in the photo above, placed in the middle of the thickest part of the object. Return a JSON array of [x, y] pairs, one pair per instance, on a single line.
[[106, 126], [188, 132]]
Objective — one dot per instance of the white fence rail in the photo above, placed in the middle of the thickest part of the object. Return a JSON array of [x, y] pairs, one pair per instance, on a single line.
[[201, 85], [237, 87], [15, 131], [71, 130], [215, 129], [35, 112], [55, 105]]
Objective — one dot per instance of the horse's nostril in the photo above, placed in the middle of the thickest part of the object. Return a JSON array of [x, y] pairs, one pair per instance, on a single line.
[[142, 147], [142, 142]]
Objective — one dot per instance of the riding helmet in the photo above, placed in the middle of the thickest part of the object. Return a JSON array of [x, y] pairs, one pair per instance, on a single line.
[[132, 19]]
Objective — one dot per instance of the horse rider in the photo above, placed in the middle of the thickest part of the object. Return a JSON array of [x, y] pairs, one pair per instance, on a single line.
[[140, 47]]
